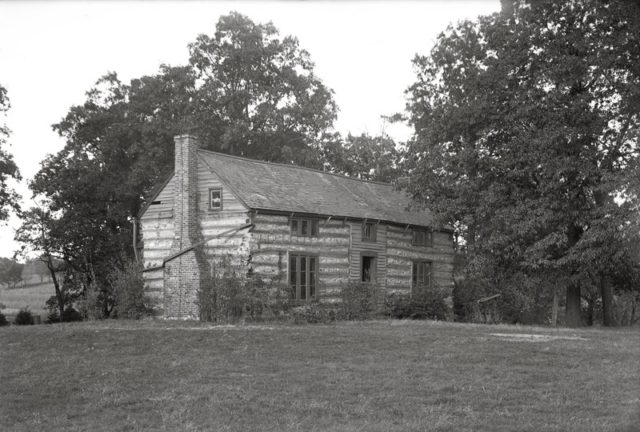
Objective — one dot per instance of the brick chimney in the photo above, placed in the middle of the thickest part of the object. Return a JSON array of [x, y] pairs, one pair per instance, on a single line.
[[182, 274], [186, 188]]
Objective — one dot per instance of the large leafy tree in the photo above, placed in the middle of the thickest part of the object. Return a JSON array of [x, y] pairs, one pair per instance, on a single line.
[[526, 139], [8, 169], [259, 96]]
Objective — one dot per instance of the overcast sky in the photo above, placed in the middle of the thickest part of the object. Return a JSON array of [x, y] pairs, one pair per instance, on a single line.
[[52, 52]]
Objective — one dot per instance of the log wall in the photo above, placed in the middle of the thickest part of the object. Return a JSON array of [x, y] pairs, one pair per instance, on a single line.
[[401, 254], [157, 227], [272, 241]]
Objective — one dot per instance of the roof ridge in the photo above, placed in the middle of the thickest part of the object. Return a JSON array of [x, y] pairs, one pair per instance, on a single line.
[[296, 167]]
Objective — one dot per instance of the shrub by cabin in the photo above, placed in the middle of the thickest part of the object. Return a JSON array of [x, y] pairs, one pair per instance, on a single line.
[[315, 230]]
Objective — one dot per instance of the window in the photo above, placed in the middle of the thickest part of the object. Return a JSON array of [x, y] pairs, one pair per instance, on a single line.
[[303, 276], [304, 227], [368, 270], [420, 277], [422, 238], [215, 199], [369, 231]]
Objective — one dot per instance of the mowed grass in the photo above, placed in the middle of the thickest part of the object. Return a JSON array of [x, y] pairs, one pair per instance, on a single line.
[[32, 297], [354, 376]]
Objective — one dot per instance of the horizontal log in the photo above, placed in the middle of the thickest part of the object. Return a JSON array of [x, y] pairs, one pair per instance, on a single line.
[[289, 239], [226, 220], [407, 266], [320, 250], [157, 214], [407, 253]]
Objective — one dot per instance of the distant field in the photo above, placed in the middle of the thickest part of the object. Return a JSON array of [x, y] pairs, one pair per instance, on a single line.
[[33, 297], [357, 376]]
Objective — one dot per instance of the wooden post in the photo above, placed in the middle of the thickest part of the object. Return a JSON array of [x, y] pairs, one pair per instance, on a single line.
[[135, 239]]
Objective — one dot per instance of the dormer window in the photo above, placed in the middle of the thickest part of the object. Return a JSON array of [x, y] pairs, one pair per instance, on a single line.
[[215, 199], [422, 237]]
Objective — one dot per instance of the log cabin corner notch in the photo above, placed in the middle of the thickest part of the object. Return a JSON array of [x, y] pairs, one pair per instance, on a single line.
[[320, 229]]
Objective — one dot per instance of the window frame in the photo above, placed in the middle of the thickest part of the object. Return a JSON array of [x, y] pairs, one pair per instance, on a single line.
[[299, 221], [415, 272], [211, 190], [374, 232], [428, 237], [311, 290]]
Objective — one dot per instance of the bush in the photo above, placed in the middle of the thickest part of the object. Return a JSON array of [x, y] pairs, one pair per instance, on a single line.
[[127, 286], [3, 320], [24, 317], [431, 304], [230, 295], [359, 300], [316, 312], [69, 315]]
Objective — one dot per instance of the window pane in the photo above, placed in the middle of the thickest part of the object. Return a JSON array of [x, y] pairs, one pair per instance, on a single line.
[[312, 276], [305, 228], [303, 278], [294, 227], [216, 198], [292, 270], [314, 228]]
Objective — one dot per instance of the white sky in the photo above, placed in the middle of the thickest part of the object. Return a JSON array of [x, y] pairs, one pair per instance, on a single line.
[[51, 53]]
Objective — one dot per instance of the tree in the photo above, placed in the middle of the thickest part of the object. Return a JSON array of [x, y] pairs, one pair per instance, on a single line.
[[9, 199], [10, 272], [364, 157], [259, 96], [526, 139], [39, 233]]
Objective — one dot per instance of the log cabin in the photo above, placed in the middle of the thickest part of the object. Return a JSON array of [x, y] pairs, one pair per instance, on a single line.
[[319, 229]]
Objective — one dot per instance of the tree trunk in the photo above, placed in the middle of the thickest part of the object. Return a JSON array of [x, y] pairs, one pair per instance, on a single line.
[[56, 285], [573, 316], [554, 307], [607, 302], [591, 308]]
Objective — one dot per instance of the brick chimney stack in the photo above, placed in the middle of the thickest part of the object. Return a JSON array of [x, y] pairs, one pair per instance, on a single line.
[[186, 188], [182, 275]]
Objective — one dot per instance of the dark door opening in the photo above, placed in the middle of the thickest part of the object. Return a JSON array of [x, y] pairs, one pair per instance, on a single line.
[[368, 273]]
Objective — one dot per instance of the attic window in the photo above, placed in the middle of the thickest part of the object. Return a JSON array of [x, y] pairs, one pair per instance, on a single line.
[[156, 202], [304, 227], [422, 237], [215, 198]]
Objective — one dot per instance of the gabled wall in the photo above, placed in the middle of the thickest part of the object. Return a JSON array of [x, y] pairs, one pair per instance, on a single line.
[[233, 215], [157, 225]]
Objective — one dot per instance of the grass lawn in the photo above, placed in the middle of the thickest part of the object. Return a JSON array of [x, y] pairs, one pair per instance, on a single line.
[[32, 297], [357, 376]]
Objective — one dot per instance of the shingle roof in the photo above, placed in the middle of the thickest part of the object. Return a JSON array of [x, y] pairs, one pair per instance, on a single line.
[[290, 188]]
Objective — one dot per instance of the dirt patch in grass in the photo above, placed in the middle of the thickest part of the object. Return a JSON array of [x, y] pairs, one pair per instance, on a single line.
[[533, 337], [364, 376]]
